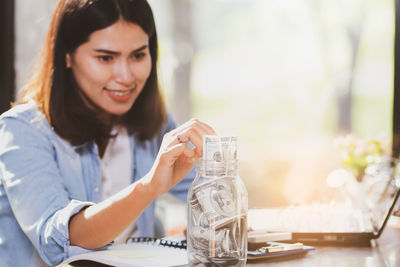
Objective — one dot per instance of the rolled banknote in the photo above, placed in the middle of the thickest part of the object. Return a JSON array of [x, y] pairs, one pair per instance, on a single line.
[[219, 148]]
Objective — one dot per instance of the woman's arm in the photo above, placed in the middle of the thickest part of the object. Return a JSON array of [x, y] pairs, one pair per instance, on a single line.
[[99, 224]]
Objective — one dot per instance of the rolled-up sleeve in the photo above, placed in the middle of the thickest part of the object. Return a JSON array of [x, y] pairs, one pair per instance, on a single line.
[[35, 189]]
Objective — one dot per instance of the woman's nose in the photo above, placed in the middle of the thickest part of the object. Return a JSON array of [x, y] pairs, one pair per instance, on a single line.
[[124, 73]]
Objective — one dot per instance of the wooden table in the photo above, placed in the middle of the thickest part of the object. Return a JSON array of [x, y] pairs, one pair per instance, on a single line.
[[384, 252]]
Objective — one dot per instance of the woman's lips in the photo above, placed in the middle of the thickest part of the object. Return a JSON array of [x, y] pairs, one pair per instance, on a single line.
[[119, 95]]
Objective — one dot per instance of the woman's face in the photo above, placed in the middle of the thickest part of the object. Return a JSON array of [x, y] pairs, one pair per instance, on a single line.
[[112, 67]]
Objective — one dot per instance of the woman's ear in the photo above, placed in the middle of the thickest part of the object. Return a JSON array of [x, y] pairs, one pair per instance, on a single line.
[[68, 60]]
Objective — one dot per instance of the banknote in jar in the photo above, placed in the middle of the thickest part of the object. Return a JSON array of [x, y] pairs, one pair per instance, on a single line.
[[218, 153], [216, 200], [214, 243]]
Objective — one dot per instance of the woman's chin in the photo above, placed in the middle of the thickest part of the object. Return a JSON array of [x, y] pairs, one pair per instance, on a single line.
[[118, 111]]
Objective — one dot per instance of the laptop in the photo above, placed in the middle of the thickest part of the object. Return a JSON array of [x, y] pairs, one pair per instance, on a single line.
[[334, 223]]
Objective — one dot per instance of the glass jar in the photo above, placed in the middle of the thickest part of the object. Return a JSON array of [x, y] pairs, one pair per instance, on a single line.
[[217, 207]]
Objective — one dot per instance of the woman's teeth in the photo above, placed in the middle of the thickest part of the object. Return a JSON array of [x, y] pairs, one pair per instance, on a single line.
[[119, 93]]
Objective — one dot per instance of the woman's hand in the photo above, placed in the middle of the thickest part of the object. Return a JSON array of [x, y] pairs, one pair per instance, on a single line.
[[176, 158]]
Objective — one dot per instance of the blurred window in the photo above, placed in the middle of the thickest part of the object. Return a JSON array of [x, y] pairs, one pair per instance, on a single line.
[[287, 77]]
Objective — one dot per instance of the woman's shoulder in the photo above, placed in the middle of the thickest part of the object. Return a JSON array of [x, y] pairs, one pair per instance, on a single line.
[[26, 113]]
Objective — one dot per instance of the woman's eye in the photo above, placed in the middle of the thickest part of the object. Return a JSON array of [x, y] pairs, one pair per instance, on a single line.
[[139, 56], [105, 58]]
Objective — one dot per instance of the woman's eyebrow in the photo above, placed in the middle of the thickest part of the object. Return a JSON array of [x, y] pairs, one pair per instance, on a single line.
[[105, 51], [140, 48], [110, 52]]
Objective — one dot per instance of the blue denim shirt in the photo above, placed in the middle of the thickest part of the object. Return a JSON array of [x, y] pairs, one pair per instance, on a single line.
[[44, 180]]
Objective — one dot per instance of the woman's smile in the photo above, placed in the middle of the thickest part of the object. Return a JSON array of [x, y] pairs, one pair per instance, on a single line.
[[121, 95]]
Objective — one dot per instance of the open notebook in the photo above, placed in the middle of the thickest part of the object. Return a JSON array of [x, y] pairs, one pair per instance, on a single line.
[[334, 223], [149, 252]]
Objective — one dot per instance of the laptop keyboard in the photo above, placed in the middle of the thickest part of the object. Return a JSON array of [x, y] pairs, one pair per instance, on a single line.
[[317, 217]]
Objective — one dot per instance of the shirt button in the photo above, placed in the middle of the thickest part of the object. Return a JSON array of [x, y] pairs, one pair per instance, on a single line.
[[96, 189]]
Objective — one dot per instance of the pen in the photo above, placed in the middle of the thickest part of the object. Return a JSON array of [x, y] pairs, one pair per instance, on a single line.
[[281, 247]]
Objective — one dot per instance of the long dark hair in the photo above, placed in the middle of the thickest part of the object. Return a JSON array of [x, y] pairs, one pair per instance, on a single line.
[[53, 85]]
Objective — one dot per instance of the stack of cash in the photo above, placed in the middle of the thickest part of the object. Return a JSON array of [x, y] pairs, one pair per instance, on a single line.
[[218, 221], [218, 210]]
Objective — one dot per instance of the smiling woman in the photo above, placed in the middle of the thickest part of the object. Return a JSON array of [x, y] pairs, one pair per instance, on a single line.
[[93, 133], [91, 51], [111, 68]]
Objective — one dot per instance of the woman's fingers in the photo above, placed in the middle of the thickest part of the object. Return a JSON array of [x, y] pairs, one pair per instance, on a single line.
[[192, 131], [194, 123], [173, 163], [176, 157], [193, 134], [175, 151], [202, 124]]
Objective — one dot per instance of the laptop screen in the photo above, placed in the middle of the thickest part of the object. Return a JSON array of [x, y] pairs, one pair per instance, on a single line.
[[382, 194]]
